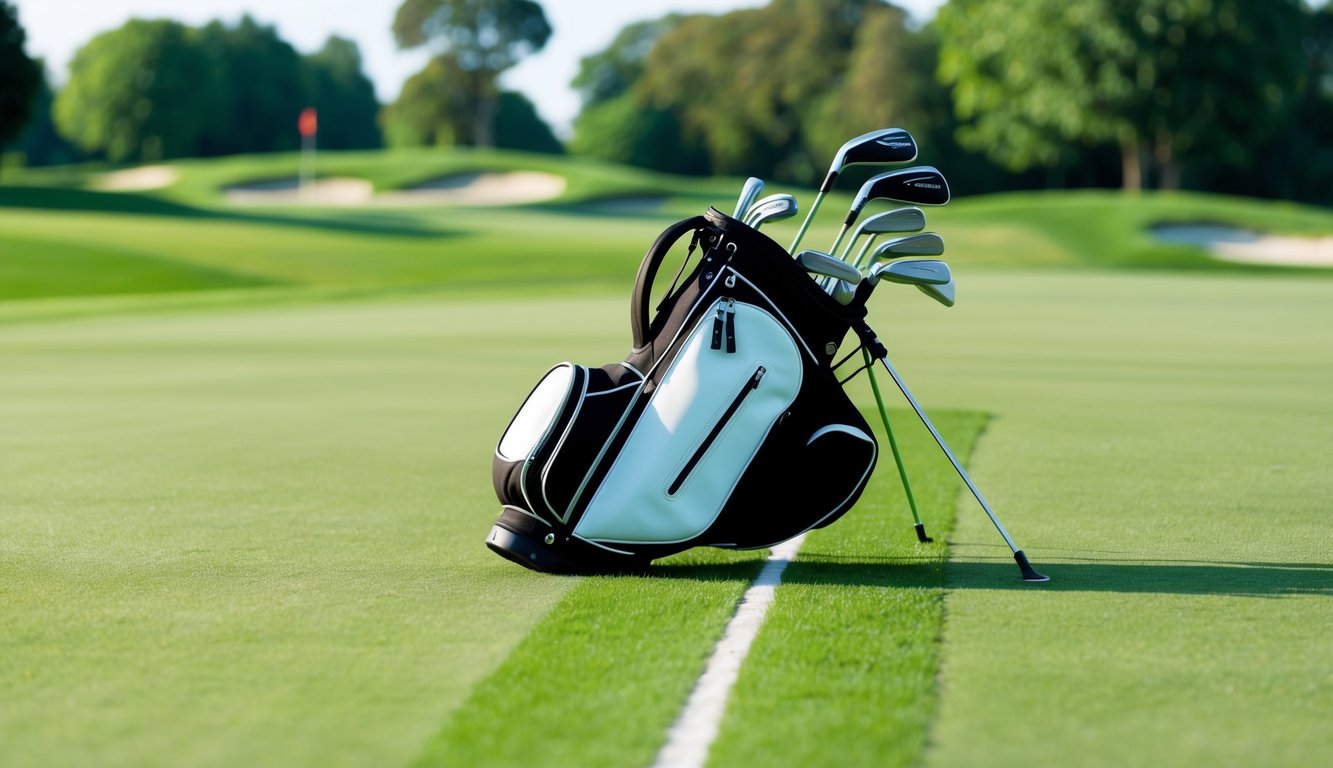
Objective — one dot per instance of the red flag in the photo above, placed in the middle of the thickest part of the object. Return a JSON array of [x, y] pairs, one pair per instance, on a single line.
[[308, 123]]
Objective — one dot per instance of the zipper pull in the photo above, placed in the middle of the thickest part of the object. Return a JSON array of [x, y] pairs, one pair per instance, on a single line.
[[717, 327], [758, 375], [731, 326]]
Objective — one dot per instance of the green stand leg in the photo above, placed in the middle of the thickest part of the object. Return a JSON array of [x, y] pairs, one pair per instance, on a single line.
[[893, 445]]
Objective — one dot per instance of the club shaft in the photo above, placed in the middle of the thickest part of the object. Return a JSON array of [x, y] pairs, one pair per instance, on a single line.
[[944, 447], [800, 233], [893, 443], [861, 255]]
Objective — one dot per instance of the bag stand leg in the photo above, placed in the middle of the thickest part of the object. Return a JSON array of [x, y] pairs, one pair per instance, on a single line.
[[1029, 573], [897, 455]]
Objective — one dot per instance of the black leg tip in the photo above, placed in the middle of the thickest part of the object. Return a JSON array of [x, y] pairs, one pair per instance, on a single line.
[[1029, 573], [921, 534]]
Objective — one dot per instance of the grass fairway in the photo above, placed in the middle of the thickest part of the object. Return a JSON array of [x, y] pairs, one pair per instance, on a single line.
[[244, 480]]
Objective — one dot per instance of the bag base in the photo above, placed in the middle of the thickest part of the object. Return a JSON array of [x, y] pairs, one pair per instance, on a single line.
[[523, 539]]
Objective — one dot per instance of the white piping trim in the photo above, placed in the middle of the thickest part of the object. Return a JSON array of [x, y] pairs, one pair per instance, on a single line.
[[569, 427], [611, 438], [846, 429], [630, 385], [791, 329], [696, 728]]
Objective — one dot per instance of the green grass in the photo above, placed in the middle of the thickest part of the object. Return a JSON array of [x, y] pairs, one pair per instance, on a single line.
[[603, 677], [849, 651], [244, 484], [570, 241], [285, 505]]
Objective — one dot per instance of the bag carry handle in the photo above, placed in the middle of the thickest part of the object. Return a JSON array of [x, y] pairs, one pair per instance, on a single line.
[[643, 284]]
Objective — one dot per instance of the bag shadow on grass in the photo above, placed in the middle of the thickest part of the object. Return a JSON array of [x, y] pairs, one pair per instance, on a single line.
[[1186, 577]]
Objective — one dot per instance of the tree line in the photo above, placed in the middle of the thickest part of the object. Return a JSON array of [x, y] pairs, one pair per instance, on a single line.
[[1226, 95]]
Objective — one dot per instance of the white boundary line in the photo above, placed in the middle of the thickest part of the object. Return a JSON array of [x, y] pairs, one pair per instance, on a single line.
[[693, 734]]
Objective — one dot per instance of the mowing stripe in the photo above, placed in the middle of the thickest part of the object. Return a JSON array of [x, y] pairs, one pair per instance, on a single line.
[[693, 733]]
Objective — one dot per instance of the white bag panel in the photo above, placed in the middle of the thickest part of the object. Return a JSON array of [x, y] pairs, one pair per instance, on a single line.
[[632, 505], [533, 420]]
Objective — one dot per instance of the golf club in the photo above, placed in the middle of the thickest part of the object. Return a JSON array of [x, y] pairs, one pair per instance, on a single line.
[[924, 244], [828, 265], [911, 272], [771, 208], [907, 272], [888, 222], [920, 185], [749, 191], [898, 220], [944, 294], [888, 145]]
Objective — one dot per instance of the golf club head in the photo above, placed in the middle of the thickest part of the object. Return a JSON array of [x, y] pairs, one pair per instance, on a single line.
[[924, 244], [944, 294], [912, 272], [749, 191], [828, 265], [771, 208], [919, 185], [897, 220], [887, 145]]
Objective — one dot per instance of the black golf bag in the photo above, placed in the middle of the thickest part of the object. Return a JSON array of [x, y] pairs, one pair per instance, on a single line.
[[724, 426]]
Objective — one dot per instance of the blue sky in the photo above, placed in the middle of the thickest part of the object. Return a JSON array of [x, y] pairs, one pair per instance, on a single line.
[[56, 28]]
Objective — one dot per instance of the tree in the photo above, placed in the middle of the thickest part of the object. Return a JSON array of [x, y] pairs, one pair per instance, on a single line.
[[483, 38], [140, 92], [518, 126], [431, 109], [20, 76], [343, 96], [880, 87], [1163, 79], [39, 143], [752, 83], [609, 73], [263, 88], [617, 125], [620, 130]]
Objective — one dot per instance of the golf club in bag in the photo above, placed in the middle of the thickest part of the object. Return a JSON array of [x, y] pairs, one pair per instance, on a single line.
[[726, 425]]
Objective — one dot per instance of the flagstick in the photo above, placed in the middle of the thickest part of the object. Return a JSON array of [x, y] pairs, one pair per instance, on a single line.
[[307, 166]]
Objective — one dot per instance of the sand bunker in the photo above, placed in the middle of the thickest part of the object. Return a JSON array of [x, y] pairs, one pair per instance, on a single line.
[[139, 179], [1247, 247], [510, 188], [328, 191]]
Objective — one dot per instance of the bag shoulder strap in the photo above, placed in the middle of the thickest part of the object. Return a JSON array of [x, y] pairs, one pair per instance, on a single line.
[[643, 283]]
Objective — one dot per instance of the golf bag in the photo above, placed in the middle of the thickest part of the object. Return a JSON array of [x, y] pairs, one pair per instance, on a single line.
[[725, 426]]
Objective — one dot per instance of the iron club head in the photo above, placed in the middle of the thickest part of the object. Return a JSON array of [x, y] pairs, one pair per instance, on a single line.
[[749, 191], [944, 294], [771, 208], [911, 272], [827, 264]]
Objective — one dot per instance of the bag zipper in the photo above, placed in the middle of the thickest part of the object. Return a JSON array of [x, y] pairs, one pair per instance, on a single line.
[[725, 323], [727, 415]]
